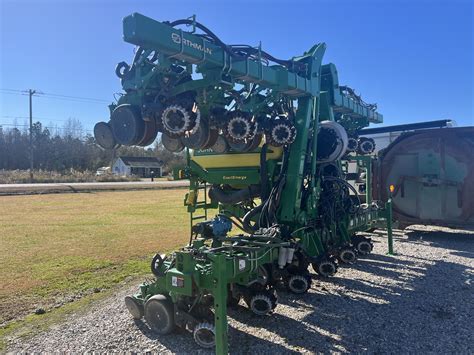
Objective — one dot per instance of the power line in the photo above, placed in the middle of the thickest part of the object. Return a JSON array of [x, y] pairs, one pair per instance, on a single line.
[[73, 100], [13, 93], [12, 90], [56, 96], [76, 97]]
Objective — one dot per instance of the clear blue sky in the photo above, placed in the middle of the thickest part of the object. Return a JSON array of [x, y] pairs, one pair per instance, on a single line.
[[414, 58]]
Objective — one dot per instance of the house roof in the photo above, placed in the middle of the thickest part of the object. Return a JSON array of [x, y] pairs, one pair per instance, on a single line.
[[142, 162]]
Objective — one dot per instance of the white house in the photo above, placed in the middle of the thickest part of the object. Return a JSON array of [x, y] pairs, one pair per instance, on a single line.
[[140, 166]]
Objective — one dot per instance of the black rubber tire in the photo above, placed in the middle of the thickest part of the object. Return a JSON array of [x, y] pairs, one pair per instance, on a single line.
[[127, 125], [159, 314], [150, 134], [364, 246], [255, 143], [213, 135], [298, 284], [198, 140], [317, 266], [205, 335], [135, 308], [351, 252], [104, 136]]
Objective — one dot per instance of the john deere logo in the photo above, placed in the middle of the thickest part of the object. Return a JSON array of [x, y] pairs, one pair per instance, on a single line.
[[176, 38]]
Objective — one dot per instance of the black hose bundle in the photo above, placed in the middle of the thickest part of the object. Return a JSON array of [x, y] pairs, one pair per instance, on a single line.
[[239, 50], [344, 182], [263, 172], [269, 206], [268, 216], [335, 200]]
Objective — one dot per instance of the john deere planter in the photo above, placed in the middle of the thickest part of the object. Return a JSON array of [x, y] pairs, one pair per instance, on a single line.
[[269, 143]]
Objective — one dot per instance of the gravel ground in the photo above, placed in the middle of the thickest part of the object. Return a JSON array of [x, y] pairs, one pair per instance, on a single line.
[[421, 300]]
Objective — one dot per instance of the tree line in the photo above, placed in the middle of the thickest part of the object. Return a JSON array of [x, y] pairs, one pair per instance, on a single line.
[[68, 149]]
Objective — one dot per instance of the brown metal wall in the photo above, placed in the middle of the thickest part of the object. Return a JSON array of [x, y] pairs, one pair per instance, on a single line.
[[433, 174]]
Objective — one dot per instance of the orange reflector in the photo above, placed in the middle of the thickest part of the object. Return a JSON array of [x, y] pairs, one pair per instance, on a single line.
[[392, 188]]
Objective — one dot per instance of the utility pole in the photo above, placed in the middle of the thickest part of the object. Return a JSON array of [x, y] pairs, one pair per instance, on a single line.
[[31, 93]]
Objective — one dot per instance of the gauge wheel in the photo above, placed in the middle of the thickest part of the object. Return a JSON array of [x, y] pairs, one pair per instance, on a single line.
[[159, 314]]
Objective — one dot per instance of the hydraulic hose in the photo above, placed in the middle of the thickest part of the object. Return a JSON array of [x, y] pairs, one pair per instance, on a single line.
[[263, 172], [237, 50], [248, 217]]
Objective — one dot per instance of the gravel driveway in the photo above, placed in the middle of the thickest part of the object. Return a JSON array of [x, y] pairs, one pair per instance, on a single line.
[[421, 300]]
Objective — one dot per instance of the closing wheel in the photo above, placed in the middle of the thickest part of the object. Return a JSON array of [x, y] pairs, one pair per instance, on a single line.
[[299, 284], [261, 304], [205, 335], [134, 307], [347, 255], [366, 145], [281, 132], [177, 120], [239, 127], [364, 246], [352, 144], [325, 268], [159, 314]]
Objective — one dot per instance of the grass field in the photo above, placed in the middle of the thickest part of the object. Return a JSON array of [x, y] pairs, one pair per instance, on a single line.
[[58, 248]]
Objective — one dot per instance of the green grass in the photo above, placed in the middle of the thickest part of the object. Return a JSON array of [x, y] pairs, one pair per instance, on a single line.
[[54, 247]]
